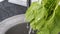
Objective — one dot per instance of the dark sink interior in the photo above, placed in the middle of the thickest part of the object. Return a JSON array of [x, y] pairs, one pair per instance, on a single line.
[[19, 29]]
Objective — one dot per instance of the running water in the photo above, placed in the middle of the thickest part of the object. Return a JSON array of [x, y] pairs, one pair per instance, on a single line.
[[28, 27], [30, 31]]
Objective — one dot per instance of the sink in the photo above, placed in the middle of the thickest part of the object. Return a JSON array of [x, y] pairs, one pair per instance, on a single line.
[[19, 29], [15, 25]]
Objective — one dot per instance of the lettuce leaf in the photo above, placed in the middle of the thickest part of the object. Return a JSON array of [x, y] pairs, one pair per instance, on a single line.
[[44, 17]]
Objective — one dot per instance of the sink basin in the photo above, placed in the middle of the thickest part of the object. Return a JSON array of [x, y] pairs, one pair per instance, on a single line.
[[14, 25], [18, 29]]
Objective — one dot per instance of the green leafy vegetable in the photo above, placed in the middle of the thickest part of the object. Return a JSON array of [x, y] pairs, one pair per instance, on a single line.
[[44, 17]]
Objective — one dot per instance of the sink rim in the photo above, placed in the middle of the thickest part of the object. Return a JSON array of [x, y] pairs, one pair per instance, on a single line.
[[10, 22]]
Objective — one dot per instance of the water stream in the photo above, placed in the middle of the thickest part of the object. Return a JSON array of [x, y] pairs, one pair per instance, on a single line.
[[30, 29]]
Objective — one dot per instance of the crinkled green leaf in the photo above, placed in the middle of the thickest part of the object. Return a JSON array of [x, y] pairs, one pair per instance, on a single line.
[[56, 30], [44, 17]]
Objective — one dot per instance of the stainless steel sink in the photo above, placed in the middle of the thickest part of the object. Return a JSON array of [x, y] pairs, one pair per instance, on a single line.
[[15, 25], [18, 29]]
